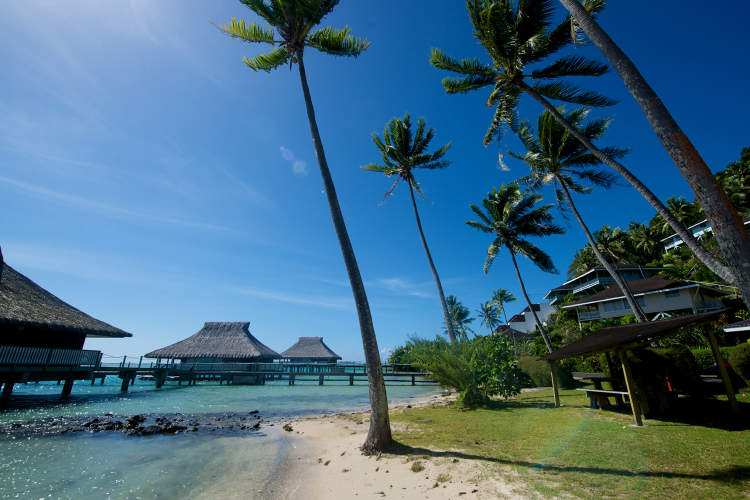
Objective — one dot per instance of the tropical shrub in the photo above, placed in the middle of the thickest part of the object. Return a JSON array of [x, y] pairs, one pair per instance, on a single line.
[[740, 361], [705, 358], [410, 352], [539, 372], [478, 368]]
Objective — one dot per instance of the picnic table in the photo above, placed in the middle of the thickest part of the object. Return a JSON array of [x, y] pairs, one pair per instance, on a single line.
[[600, 397]]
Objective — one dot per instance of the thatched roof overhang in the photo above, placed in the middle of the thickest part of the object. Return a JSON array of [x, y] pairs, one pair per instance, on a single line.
[[310, 348], [228, 340], [23, 303], [631, 336]]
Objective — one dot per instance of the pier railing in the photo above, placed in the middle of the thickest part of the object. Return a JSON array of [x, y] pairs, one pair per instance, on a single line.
[[15, 355], [344, 368]]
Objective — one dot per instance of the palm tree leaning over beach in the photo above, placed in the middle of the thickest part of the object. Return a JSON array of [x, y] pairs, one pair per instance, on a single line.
[[512, 216], [402, 153], [519, 34], [295, 23], [726, 223], [557, 158]]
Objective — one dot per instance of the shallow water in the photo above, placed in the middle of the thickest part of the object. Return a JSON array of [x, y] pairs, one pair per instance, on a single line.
[[110, 465]]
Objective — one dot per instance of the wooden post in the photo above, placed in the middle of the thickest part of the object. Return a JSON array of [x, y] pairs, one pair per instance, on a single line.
[[722, 368], [413, 381], [68, 387], [8, 388], [320, 380], [103, 380], [631, 388], [125, 382], [351, 379], [615, 385], [555, 391]]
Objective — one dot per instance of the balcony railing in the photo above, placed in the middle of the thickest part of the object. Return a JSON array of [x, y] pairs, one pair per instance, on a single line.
[[707, 305], [604, 280], [589, 315], [45, 356]]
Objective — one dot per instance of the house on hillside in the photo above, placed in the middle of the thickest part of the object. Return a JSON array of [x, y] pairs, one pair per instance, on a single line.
[[524, 321], [310, 350], [217, 343], [598, 279], [655, 295], [42, 337], [698, 230]]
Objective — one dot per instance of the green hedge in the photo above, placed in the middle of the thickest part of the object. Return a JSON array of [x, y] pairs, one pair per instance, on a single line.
[[705, 358], [538, 372], [740, 360], [658, 363]]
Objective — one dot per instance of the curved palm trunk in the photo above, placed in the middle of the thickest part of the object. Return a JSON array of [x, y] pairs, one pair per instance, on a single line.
[[531, 306], [634, 306], [726, 223], [690, 240], [446, 315], [379, 434]]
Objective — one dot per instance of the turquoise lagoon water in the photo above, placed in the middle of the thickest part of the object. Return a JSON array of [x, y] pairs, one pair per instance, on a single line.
[[108, 465]]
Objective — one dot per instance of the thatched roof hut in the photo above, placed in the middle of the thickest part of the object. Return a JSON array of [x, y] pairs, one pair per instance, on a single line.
[[310, 350], [219, 342], [31, 316]]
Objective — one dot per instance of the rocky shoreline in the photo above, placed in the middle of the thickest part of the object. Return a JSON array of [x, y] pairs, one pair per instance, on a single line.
[[136, 425]]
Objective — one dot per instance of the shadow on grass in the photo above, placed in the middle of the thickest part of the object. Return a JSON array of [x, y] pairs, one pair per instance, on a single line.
[[725, 475]]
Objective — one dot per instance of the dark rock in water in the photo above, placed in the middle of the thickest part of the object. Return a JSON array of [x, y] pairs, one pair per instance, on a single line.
[[131, 432], [256, 426], [253, 412], [173, 429], [148, 430]]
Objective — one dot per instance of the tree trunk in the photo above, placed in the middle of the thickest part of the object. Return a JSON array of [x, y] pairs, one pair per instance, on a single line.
[[634, 306], [678, 227], [448, 322], [379, 434], [726, 223], [531, 306]]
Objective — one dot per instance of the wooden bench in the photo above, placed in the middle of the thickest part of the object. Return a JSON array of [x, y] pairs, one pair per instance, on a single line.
[[600, 397]]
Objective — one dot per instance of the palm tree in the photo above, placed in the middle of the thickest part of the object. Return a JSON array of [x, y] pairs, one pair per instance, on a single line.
[[402, 153], [683, 211], [726, 223], [557, 158], [612, 242], [512, 216], [500, 297], [735, 180], [584, 260], [489, 315], [295, 22], [459, 317], [517, 35], [644, 239]]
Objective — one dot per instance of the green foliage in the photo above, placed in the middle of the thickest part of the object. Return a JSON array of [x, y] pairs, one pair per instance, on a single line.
[[740, 361], [460, 317], [412, 351], [705, 358], [539, 372], [478, 368], [676, 363]]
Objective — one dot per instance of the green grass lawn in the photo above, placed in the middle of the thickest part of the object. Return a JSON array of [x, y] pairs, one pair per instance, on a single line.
[[573, 451]]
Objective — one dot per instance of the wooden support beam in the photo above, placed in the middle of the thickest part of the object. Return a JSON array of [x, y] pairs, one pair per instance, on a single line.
[[413, 380], [722, 368], [632, 391], [68, 387], [555, 390], [320, 380], [615, 385], [351, 379], [103, 380], [125, 382], [8, 388]]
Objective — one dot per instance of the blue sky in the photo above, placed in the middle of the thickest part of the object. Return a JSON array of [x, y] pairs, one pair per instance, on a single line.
[[143, 180]]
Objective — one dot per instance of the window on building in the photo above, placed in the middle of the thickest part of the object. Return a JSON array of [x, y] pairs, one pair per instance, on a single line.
[[622, 304], [672, 294]]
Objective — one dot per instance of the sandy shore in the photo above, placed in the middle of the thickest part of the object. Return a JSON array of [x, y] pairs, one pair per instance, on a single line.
[[334, 468]]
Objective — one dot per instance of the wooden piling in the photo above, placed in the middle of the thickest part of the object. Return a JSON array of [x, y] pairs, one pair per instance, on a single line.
[[68, 387], [125, 382], [722, 369], [555, 390], [320, 380], [8, 388]]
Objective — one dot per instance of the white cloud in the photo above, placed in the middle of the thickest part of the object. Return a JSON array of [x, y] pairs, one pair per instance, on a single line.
[[312, 300], [399, 286]]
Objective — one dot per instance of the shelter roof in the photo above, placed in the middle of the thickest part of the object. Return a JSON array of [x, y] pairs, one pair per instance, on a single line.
[[231, 340], [638, 287], [310, 347], [740, 326], [630, 336], [24, 303]]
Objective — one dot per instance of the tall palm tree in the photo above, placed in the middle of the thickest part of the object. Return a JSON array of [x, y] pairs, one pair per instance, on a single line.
[[557, 158], [645, 239], [295, 24], [489, 315], [403, 152], [500, 297], [516, 35], [513, 216], [726, 223], [735, 180], [583, 261], [459, 317], [687, 213], [612, 242]]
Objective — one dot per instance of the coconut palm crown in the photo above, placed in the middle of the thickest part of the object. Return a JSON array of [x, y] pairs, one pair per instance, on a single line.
[[294, 21], [516, 35]]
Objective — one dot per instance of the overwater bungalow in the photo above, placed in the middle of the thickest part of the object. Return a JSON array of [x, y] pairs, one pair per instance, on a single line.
[[42, 337], [310, 350], [218, 343]]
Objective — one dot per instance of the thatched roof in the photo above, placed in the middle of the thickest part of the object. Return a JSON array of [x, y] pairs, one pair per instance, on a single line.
[[24, 303], [229, 340], [310, 348]]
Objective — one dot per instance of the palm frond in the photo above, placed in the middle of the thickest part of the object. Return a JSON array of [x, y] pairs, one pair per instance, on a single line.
[[539, 257], [441, 60], [567, 92], [247, 32], [337, 42], [571, 65], [268, 61], [272, 13], [463, 85]]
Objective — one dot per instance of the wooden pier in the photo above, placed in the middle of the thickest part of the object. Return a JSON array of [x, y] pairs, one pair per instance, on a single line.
[[33, 364]]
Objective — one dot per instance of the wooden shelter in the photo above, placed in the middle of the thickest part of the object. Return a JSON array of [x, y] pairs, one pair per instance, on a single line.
[[310, 350], [39, 332], [219, 342], [623, 338]]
